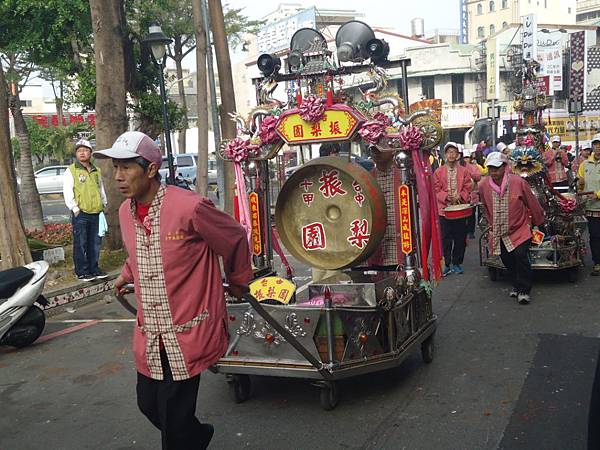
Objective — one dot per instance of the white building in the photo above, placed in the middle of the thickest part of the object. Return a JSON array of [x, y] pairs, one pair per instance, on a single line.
[[487, 17]]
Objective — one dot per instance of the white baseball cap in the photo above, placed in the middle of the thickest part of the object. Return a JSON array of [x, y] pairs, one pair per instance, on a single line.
[[452, 144], [596, 137], [500, 146], [83, 143], [587, 145], [496, 159], [468, 152], [132, 144], [555, 138]]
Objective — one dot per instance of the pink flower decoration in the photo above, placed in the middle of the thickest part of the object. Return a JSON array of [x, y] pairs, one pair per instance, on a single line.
[[371, 131], [411, 138], [383, 118], [567, 206], [266, 132], [528, 141], [312, 109], [239, 150]]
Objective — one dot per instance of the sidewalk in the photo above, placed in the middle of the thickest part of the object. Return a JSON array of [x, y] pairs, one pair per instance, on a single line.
[[78, 294]]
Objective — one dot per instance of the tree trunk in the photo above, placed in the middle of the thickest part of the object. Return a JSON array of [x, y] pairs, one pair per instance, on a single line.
[[31, 205], [228, 128], [178, 57], [14, 250], [202, 95], [108, 22]]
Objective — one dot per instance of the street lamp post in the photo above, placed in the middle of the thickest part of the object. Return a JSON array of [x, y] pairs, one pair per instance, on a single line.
[[158, 42]]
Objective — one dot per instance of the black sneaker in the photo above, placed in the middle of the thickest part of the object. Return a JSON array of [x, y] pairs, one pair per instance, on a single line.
[[100, 275], [87, 277]]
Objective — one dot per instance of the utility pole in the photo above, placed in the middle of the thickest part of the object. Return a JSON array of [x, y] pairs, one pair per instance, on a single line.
[[228, 128], [202, 104]]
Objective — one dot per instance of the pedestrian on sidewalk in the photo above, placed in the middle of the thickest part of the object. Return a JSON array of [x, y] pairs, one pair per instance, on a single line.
[[589, 181], [453, 186], [511, 209], [174, 238], [84, 195]]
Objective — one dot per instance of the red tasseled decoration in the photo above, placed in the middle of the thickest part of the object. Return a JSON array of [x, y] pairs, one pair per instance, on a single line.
[[329, 101], [299, 98], [520, 121], [549, 121]]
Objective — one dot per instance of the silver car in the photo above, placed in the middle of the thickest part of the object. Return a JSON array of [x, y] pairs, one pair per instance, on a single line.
[[49, 180], [186, 166]]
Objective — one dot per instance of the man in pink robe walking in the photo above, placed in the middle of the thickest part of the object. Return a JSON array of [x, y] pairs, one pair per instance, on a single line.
[[511, 209], [174, 238]]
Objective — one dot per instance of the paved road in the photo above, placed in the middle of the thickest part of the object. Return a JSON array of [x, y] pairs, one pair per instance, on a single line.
[[504, 376]]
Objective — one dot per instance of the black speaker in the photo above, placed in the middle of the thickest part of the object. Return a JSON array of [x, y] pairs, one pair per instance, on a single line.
[[351, 41], [268, 64]]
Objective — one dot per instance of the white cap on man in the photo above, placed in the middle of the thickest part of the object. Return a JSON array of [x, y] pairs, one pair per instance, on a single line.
[[500, 146], [83, 143], [596, 138], [496, 159], [587, 145], [452, 144], [555, 138]]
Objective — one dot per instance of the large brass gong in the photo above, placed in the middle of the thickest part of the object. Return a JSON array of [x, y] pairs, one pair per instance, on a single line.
[[331, 213]]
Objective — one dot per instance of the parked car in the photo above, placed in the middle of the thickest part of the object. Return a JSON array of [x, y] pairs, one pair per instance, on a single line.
[[186, 166], [49, 180]]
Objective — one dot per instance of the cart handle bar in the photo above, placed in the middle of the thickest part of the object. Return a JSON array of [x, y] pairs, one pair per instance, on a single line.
[[289, 337]]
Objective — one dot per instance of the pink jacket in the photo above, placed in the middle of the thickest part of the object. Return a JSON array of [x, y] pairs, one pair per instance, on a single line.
[[556, 169], [475, 173], [193, 233], [440, 183], [524, 209]]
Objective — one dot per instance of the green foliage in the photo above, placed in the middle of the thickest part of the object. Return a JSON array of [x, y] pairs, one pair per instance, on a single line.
[[53, 142], [237, 24], [148, 112]]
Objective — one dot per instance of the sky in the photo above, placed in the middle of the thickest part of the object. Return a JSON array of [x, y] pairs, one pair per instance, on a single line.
[[440, 14]]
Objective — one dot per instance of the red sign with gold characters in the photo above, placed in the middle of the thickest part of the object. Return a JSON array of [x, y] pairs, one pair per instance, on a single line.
[[406, 226], [255, 217], [340, 122]]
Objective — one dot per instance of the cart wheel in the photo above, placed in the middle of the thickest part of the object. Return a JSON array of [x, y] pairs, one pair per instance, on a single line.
[[240, 388], [329, 396], [493, 272], [427, 349], [573, 274]]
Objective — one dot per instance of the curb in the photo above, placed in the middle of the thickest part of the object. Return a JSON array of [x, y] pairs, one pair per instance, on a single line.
[[78, 294]]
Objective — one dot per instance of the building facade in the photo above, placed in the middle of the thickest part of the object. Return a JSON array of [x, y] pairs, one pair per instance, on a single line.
[[487, 17]]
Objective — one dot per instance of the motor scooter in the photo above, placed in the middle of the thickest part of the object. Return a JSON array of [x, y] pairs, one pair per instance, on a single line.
[[21, 320]]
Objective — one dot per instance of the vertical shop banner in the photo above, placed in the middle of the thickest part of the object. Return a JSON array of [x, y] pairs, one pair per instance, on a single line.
[[493, 68], [549, 55], [529, 37], [577, 70]]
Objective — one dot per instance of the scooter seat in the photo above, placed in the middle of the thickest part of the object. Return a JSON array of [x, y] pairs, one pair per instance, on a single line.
[[13, 279]]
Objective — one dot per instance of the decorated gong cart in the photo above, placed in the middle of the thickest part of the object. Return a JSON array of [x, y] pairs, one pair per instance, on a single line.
[[558, 245], [331, 215]]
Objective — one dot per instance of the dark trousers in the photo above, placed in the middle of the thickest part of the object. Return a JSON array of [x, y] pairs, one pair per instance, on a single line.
[[86, 243], [171, 407], [519, 266], [454, 239], [594, 230]]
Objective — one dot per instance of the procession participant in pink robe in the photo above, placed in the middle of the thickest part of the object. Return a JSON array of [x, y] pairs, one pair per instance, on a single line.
[[556, 162], [476, 173], [453, 186], [584, 153], [389, 253], [174, 238], [511, 209]]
